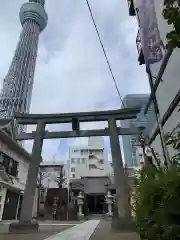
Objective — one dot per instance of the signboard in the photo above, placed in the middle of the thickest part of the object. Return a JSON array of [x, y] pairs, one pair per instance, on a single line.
[[152, 44]]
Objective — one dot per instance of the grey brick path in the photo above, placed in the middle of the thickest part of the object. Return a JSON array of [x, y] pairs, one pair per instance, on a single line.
[[45, 232], [81, 231], [104, 231]]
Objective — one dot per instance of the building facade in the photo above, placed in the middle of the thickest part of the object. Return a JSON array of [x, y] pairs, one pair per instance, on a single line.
[[52, 176], [165, 71], [18, 83], [130, 142], [14, 164], [88, 160], [50, 173]]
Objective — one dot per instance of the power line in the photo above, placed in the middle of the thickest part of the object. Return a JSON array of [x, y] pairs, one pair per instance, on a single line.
[[104, 51], [108, 63]]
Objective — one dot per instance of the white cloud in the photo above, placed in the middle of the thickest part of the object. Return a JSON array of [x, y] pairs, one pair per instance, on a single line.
[[71, 73]]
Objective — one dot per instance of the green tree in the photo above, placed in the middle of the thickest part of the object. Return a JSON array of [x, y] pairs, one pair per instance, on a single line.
[[171, 12], [157, 204], [157, 197]]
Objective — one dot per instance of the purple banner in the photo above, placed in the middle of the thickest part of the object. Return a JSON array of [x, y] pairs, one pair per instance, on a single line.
[[153, 47]]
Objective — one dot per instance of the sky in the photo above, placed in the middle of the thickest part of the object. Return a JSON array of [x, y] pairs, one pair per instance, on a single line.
[[71, 71]]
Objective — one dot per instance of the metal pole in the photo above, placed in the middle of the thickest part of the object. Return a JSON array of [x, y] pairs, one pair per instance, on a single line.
[[158, 119]]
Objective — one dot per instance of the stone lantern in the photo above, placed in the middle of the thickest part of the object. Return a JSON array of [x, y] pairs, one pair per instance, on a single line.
[[109, 202], [80, 202]]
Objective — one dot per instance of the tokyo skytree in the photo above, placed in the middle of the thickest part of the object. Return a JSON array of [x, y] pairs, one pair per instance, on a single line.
[[18, 83]]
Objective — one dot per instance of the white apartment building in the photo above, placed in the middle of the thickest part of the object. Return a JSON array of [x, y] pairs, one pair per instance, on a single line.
[[168, 90], [14, 164], [89, 161]]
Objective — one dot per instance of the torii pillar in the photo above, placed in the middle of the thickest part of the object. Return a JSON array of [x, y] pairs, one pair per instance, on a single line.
[[25, 223], [123, 220]]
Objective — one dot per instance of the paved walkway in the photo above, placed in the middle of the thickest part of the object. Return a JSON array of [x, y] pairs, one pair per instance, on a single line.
[[41, 235], [105, 232], [89, 230], [46, 222], [81, 231], [44, 227]]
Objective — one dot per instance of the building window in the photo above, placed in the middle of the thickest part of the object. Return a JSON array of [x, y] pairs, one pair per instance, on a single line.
[[73, 175], [75, 151], [1, 157], [79, 160], [73, 169], [133, 154], [9, 164], [84, 151], [13, 168], [92, 166], [73, 160], [83, 160]]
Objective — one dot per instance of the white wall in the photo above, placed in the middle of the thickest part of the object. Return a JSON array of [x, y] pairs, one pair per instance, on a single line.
[[96, 142], [5, 149], [83, 171], [171, 78], [84, 156], [23, 163], [20, 181], [82, 162]]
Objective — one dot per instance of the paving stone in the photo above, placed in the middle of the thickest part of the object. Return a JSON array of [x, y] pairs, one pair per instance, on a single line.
[[105, 232], [81, 231], [44, 233]]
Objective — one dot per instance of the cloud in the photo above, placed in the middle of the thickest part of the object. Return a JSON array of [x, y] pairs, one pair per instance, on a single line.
[[71, 72]]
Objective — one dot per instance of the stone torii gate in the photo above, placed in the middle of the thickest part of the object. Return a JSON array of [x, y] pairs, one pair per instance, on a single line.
[[122, 190]]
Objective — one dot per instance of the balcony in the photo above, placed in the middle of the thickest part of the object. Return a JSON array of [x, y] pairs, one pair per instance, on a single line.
[[92, 166], [131, 8], [141, 59]]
